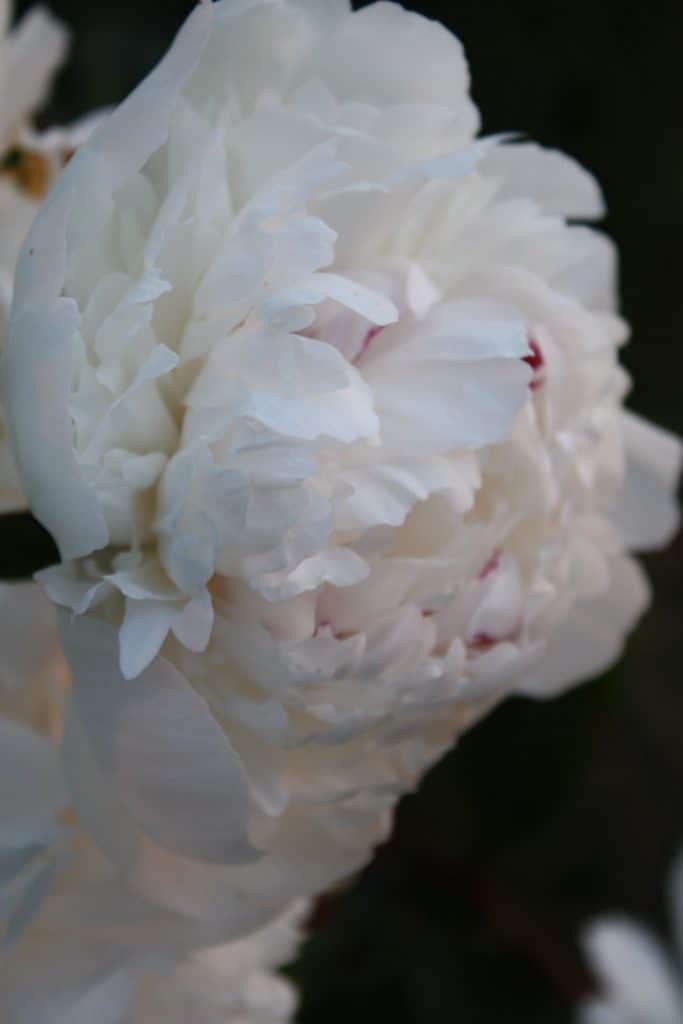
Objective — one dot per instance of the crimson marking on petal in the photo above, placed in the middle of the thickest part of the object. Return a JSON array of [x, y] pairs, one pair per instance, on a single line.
[[367, 341], [537, 363], [491, 566], [482, 641]]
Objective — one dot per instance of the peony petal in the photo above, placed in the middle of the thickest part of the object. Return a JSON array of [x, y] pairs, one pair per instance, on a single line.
[[384, 492], [340, 567], [194, 624], [158, 749], [140, 125], [370, 304], [398, 57], [146, 624], [593, 636], [286, 364], [76, 983], [467, 370], [36, 381], [31, 786], [202, 507], [558, 183], [646, 512]]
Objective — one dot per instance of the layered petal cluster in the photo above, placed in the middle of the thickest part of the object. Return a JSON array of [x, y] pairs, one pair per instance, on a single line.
[[319, 395], [77, 945], [639, 981]]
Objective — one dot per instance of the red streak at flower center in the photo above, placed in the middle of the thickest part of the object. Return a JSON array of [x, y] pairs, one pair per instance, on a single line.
[[491, 566], [482, 641], [537, 363], [367, 341]]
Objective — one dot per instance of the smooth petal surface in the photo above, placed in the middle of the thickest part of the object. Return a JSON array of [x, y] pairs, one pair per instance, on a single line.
[[462, 373], [36, 406], [31, 786], [557, 182], [646, 511], [592, 637], [159, 749], [399, 57], [28, 635]]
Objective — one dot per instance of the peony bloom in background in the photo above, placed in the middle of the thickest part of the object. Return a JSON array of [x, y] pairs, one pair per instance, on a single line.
[[77, 945], [319, 395], [639, 982], [29, 56]]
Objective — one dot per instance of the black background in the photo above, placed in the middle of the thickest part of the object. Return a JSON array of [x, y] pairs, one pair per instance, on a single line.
[[547, 814]]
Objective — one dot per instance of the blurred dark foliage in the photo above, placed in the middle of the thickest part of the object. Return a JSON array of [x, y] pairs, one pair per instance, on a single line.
[[547, 814]]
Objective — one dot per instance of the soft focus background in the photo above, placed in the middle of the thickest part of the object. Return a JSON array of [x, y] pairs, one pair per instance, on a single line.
[[547, 814]]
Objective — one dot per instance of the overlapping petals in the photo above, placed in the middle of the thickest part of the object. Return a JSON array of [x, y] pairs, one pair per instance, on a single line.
[[77, 944], [320, 398]]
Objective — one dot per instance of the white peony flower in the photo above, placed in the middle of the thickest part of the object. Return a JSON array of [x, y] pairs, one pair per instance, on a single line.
[[77, 945], [639, 981], [319, 396], [199, 430]]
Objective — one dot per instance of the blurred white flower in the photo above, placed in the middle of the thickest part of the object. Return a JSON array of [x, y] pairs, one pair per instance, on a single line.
[[30, 54], [77, 945], [320, 398], [639, 981]]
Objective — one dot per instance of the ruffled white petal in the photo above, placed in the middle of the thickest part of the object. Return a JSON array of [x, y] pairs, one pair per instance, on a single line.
[[646, 511]]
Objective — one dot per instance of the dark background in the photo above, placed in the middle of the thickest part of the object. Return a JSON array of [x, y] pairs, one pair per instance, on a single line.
[[547, 814]]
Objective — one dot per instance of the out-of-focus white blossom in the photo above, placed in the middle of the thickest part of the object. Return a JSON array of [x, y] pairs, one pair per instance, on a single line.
[[30, 54], [320, 397], [639, 981], [76, 945]]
